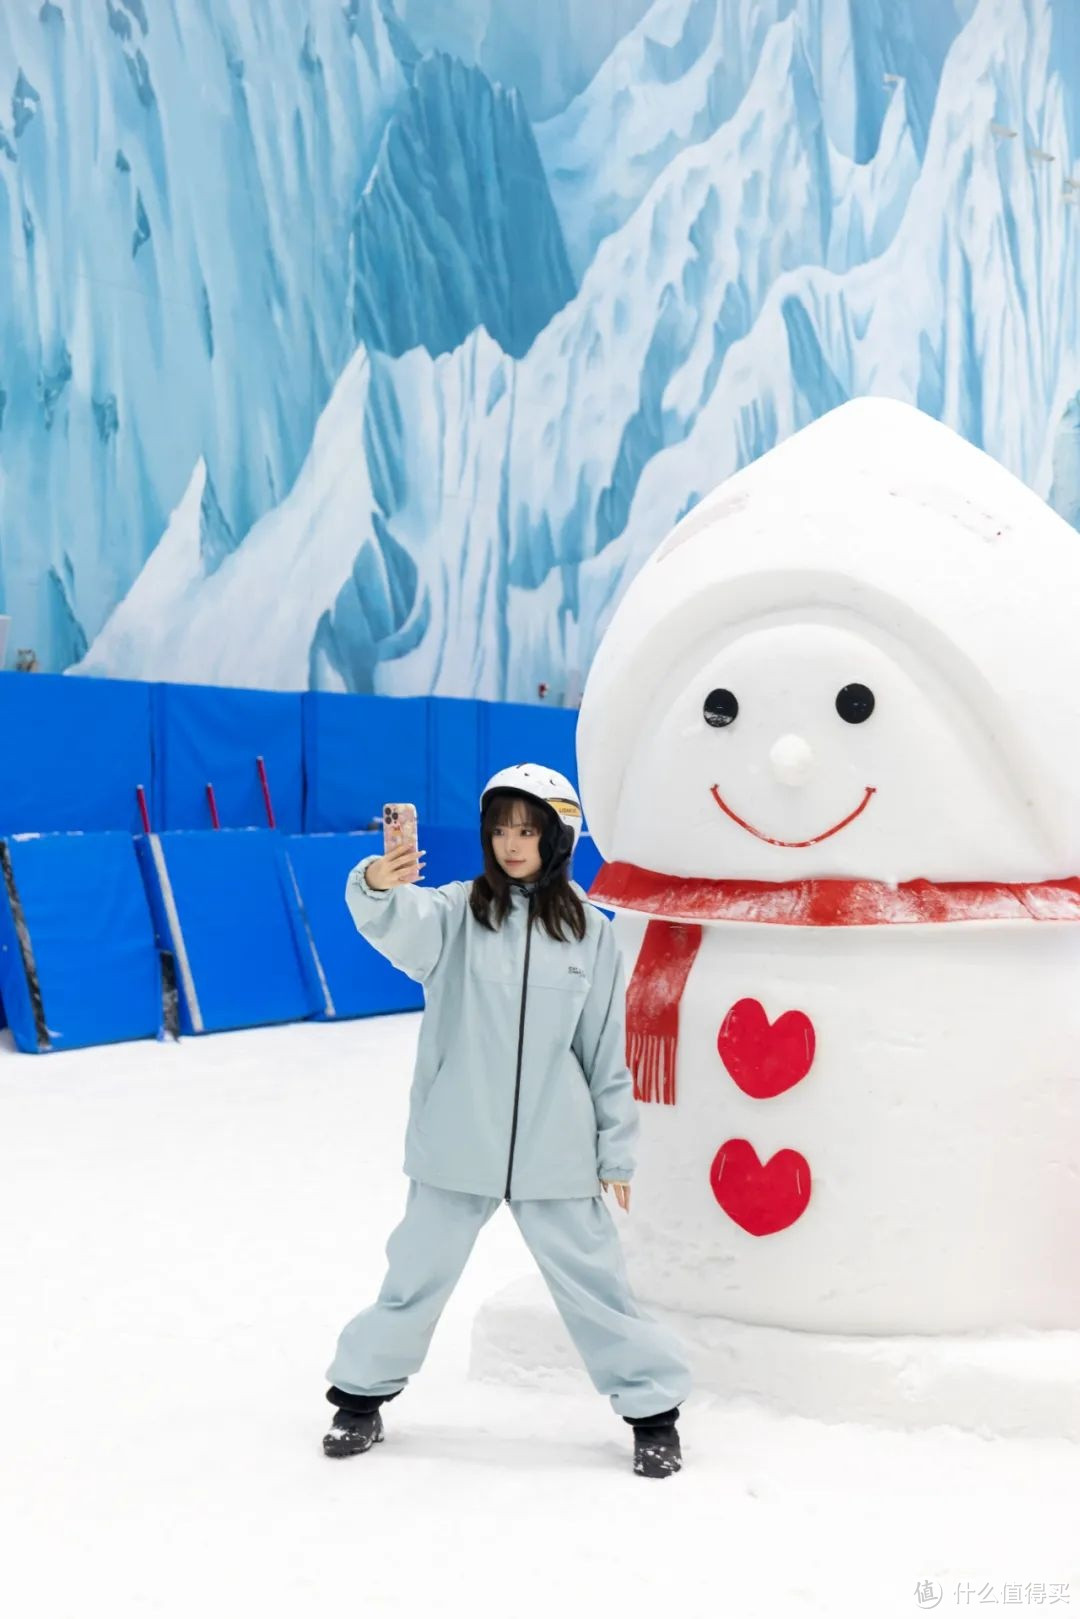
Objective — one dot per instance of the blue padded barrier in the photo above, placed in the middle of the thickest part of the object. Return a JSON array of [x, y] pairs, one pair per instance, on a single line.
[[206, 734], [519, 733], [456, 767], [453, 854], [436, 753], [74, 750], [358, 753], [106, 737], [225, 906], [359, 982], [78, 962]]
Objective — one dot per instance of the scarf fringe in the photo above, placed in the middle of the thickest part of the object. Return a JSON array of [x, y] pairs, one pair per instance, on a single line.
[[667, 953], [651, 1060]]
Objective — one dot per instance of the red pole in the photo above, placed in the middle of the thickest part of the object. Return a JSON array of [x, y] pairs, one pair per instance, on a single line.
[[140, 794], [261, 767], [212, 801]]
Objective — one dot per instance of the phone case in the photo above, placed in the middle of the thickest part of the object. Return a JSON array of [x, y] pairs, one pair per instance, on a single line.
[[399, 827]]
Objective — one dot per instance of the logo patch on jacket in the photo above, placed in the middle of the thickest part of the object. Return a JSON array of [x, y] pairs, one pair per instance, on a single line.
[[580, 971]]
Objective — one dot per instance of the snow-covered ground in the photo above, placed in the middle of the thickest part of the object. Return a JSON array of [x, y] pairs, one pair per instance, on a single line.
[[186, 1228]]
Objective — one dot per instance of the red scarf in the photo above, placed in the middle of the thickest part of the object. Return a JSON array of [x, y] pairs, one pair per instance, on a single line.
[[670, 946]]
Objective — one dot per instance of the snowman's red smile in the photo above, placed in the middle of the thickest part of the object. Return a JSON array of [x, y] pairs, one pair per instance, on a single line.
[[803, 843]]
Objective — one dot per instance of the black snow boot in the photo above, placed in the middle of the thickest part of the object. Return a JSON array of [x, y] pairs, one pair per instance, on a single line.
[[353, 1432], [357, 1424], [657, 1452]]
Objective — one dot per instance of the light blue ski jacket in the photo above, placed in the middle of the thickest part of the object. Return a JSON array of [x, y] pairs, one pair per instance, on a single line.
[[554, 1044]]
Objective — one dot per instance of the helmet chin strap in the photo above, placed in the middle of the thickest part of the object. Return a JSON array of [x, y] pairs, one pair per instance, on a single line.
[[560, 842]]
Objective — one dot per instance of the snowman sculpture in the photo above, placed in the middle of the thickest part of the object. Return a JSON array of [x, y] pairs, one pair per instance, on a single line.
[[830, 751]]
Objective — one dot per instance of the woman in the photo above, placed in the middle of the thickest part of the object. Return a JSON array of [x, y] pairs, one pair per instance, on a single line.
[[521, 1095]]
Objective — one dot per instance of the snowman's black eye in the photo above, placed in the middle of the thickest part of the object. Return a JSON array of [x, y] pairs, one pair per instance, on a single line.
[[855, 704], [721, 707]]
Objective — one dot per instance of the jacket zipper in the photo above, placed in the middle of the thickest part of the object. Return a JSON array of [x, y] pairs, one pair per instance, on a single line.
[[520, 1049]]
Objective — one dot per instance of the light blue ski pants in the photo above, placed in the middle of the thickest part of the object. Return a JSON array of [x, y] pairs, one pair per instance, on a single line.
[[630, 1358]]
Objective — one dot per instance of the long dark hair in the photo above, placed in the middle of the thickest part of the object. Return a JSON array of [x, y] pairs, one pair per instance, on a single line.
[[555, 905]]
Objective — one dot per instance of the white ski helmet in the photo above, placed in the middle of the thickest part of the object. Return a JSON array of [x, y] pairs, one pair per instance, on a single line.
[[546, 787]]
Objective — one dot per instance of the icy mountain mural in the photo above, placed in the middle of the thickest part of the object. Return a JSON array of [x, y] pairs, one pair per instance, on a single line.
[[550, 52], [380, 369], [456, 228], [177, 186]]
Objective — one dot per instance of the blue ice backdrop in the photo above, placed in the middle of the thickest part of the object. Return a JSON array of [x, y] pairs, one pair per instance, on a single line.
[[372, 345]]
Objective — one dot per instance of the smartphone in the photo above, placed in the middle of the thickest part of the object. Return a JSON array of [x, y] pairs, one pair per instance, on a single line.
[[399, 827]]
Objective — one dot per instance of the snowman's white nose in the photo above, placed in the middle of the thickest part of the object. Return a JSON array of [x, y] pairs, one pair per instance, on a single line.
[[792, 760]]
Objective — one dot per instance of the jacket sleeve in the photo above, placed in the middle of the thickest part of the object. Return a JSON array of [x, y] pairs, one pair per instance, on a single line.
[[408, 925], [600, 1047]]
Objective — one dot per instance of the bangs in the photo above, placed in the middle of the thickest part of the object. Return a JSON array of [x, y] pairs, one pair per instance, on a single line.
[[506, 809]]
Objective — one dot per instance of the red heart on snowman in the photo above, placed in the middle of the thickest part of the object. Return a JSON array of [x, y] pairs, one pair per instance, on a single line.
[[765, 1058], [762, 1198]]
